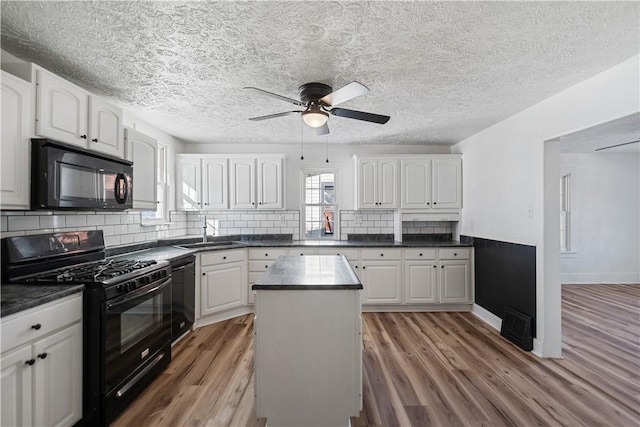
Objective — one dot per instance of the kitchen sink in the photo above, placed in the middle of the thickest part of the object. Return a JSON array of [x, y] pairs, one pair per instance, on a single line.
[[205, 244]]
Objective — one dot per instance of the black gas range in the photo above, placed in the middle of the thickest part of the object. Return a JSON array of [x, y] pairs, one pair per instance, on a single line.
[[126, 314]]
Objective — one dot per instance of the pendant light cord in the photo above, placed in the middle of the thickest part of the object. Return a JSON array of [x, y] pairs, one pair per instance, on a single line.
[[301, 140]]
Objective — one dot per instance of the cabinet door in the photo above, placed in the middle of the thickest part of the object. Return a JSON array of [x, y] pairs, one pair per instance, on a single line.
[[17, 387], [14, 166], [381, 282], [270, 191], [447, 183], [215, 184], [189, 191], [58, 378], [388, 184], [367, 183], [61, 109], [105, 128], [142, 150], [420, 280], [243, 184], [455, 284], [223, 287], [416, 184]]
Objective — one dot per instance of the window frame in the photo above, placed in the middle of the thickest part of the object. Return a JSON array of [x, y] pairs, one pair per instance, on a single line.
[[303, 205], [162, 188]]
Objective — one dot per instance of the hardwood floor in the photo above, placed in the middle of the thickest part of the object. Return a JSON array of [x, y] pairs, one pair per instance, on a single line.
[[431, 369]]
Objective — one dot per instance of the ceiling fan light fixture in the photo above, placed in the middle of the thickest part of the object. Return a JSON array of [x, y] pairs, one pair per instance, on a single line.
[[315, 117]]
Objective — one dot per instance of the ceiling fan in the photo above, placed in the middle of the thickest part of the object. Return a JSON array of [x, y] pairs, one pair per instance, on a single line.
[[319, 100]]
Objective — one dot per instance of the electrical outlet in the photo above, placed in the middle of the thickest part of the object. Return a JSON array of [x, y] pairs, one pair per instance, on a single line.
[[530, 211]]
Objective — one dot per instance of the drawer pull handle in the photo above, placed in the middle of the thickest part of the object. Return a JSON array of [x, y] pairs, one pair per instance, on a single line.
[[37, 326], [30, 362], [42, 356]]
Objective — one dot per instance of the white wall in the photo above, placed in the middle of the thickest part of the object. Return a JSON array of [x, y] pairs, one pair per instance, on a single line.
[[605, 218], [504, 178]]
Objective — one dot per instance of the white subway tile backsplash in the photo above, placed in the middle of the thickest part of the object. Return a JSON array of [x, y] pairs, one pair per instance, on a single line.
[[133, 228], [93, 220], [112, 219], [126, 239], [53, 221], [112, 240], [17, 223], [76, 220]]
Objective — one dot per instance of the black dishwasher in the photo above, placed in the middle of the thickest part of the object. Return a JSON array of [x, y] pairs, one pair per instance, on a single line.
[[183, 295]]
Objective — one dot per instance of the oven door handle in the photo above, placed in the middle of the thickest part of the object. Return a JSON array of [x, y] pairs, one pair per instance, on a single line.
[[183, 267], [129, 297]]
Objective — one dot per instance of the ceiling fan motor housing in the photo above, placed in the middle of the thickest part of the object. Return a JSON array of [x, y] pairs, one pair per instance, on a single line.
[[312, 92]]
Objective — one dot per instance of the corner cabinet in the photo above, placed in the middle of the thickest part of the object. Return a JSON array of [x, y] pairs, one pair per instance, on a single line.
[[223, 279], [376, 183], [67, 113], [14, 166], [431, 182], [42, 365], [142, 150]]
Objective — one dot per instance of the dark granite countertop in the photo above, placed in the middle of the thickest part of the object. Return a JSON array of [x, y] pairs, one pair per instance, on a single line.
[[313, 272], [16, 298]]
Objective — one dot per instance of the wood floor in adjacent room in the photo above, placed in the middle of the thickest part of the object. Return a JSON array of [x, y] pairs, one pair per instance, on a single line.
[[431, 369]]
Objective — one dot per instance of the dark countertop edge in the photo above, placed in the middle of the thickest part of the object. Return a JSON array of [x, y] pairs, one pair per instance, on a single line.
[[49, 293], [306, 287]]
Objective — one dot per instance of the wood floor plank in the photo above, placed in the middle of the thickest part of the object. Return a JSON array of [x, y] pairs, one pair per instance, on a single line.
[[430, 369]]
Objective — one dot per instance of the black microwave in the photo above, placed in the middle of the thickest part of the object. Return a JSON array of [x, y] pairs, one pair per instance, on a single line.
[[67, 177]]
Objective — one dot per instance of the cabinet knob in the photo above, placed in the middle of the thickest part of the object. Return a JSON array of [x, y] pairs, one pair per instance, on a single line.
[[206, 204], [266, 266], [36, 326], [83, 136], [435, 203], [94, 140], [266, 254], [442, 266], [158, 202], [253, 203], [204, 274], [260, 203], [455, 254], [381, 254], [363, 267], [30, 362], [428, 203], [420, 254], [42, 356], [434, 266], [224, 257]]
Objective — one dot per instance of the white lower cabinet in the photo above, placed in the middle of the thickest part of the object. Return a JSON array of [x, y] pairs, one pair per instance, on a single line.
[[42, 365], [454, 281], [420, 282], [223, 275], [259, 260], [381, 276]]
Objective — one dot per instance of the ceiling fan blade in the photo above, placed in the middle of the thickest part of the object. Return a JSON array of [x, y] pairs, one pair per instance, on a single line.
[[275, 95], [323, 130], [345, 93], [273, 116], [360, 115]]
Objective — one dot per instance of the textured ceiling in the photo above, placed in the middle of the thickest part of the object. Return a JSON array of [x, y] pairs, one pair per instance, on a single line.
[[442, 70]]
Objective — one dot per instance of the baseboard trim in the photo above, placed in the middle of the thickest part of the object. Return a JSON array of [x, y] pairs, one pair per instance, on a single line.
[[487, 317], [602, 278], [225, 315], [390, 308]]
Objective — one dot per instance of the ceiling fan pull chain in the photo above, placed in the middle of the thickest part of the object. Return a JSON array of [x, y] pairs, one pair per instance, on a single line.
[[301, 141]]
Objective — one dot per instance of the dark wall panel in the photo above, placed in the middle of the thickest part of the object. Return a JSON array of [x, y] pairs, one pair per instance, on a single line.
[[505, 275]]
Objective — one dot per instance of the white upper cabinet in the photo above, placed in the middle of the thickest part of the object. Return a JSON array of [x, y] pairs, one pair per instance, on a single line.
[[376, 183], [432, 182], [105, 127], [214, 183], [67, 113], [416, 183], [14, 166], [270, 186], [447, 183], [243, 184], [142, 150], [202, 182], [189, 183], [257, 183]]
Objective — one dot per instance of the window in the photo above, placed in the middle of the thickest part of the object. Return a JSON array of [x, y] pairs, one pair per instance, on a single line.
[[565, 213], [319, 204], [159, 216]]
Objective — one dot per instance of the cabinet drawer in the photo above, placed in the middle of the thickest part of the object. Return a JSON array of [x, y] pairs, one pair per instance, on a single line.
[[455, 253], [303, 251], [266, 253], [221, 257], [420, 253], [255, 275], [382, 253], [351, 254], [260, 266], [20, 328]]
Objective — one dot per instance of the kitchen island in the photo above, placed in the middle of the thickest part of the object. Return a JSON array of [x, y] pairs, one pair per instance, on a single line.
[[308, 342]]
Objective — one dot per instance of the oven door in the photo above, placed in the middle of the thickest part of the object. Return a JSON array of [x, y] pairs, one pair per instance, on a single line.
[[137, 325]]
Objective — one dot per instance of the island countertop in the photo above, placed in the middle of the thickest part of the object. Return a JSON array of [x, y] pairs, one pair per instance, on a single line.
[[311, 272]]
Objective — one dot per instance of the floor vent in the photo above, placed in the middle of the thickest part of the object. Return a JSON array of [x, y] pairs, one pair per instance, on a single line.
[[517, 327]]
